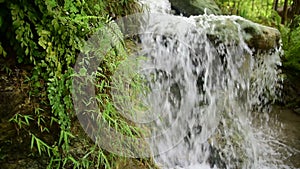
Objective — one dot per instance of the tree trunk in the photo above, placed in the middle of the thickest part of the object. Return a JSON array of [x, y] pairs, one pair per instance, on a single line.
[[295, 10], [275, 5], [285, 12]]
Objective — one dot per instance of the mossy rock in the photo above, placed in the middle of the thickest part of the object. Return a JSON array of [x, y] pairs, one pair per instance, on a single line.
[[258, 36], [195, 7], [233, 29]]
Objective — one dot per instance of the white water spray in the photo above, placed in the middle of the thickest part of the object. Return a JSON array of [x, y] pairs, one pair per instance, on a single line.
[[205, 87], [206, 93]]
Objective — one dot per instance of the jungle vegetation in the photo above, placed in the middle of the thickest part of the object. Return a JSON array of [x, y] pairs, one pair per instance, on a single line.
[[44, 38]]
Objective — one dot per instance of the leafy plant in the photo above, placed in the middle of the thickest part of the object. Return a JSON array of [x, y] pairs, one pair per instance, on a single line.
[[291, 46], [21, 119], [48, 35]]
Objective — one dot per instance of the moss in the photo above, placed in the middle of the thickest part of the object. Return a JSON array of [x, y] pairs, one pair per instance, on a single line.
[[256, 36]]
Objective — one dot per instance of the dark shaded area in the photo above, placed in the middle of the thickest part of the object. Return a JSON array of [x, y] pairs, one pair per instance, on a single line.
[[15, 142], [215, 158], [291, 90]]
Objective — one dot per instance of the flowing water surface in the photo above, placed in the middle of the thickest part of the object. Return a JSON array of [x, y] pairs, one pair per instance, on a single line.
[[210, 95]]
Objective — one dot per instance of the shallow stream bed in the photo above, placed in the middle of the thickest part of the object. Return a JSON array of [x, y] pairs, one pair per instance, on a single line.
[[289, 135]]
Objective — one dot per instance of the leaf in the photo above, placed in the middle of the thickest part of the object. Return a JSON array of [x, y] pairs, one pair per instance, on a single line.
[[44, 32], [2, 51], [1, 20], [51, 3], [73, 160], [27, 51], [37, 84], [32, 141], [73, 9], [82, 71], [61, 137], [38, 145], [42, 42], [27, 118], [20, 59]]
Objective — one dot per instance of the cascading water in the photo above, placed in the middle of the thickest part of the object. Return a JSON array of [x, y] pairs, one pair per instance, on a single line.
[[200, 90], [209, 91]]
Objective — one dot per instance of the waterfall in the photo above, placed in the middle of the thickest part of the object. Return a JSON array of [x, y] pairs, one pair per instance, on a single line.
[[209, 92], [195, 93]]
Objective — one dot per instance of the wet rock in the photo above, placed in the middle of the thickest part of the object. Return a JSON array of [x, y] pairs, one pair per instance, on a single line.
[[297, 110], [215, 158], [228, 29], [255, 35], [258, 36], [194, 7], [291, 90]]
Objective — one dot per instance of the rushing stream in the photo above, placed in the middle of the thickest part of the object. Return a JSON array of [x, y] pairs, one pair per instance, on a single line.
[[204, 92], [210, 95]]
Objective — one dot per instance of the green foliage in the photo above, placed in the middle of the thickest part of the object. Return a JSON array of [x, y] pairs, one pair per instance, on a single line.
[[110, 48], [49, 35], [21, 119], [41, 145], [255, 10], [291, 46], [2, 51]]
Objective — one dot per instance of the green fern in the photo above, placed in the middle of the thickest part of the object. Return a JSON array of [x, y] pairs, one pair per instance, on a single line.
[[48, 35]]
